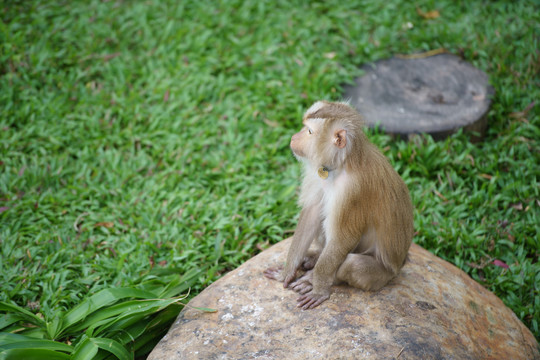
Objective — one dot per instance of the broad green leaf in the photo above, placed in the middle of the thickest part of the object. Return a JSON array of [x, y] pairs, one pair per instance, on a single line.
[[155, 330], [6, 338], [54, 327], [25, 314], [100, 299], [160, 320], [36, 333], [131, 333], [164, 316], [33, 354], [85, 349], [132, 315], [37, 344], [113, 347], [103, 316], [148, 341], [9, 319]]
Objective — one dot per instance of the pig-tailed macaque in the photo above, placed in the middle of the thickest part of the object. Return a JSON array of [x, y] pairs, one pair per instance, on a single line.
[[356, 209]]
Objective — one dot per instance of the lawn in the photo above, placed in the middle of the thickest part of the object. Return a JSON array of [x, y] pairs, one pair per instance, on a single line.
[[143, 139]]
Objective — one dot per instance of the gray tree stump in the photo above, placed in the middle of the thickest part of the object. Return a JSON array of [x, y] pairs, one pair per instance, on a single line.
[[436, 95]]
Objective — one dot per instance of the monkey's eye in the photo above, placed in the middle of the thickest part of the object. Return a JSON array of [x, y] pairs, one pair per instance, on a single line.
[[309, 131]]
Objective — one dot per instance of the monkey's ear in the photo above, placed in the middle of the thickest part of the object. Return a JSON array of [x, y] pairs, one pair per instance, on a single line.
[[340, 139]]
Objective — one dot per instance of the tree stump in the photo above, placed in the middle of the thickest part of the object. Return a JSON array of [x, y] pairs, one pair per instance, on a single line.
[[436, 95], [431, 310]]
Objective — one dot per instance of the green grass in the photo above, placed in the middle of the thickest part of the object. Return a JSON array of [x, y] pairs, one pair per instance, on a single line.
[[138, 136]]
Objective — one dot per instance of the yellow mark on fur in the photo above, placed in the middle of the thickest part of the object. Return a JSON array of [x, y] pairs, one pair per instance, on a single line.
[[323, 172]]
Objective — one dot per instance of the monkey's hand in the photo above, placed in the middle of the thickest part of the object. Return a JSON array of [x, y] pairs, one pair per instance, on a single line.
[[280, 275], [287, 278], [274, 273], [303, 285], [312, 300]]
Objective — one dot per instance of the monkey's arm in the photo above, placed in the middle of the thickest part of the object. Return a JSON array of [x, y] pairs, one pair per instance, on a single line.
[[308, 228]]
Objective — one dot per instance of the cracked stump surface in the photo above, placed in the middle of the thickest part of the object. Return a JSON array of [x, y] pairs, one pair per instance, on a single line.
[[431, 310], [435, 94]]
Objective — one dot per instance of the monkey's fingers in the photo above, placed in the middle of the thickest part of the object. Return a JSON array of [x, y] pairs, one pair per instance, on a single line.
[[311, 301], [302, 287], [306, 303], [288, 280], [272, 273]]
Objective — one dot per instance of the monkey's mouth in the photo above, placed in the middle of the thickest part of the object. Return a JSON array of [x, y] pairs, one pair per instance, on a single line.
[[297, 152], [298, 155]]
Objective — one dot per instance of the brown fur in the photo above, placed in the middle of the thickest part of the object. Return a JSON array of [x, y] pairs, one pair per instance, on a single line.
[[361, 216]]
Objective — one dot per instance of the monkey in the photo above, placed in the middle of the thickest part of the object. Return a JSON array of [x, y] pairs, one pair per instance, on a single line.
[[356, 210]]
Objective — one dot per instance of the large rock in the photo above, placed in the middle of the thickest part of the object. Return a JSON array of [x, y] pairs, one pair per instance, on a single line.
[[432, 310]]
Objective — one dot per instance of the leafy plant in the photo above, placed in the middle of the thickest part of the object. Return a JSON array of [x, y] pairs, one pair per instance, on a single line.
[[113, 323]]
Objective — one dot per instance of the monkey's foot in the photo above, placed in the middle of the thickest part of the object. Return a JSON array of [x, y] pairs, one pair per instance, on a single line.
[[311, 300], [303, 285], [309, 262], [310, 259]]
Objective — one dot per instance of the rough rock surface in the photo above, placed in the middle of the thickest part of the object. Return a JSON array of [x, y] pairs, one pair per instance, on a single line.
[[432, 310]]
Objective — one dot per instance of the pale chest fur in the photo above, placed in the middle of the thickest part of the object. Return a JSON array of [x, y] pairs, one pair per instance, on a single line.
[[334, 191], [328, 193]]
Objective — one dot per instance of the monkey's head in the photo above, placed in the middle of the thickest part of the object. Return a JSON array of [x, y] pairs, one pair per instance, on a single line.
[[331, 131]]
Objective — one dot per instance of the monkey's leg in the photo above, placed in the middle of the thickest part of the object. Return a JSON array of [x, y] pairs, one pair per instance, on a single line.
[[318, 287], [364, 272]]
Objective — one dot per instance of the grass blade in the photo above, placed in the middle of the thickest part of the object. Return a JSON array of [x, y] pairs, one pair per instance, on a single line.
[[175, 285], [208, 310]]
